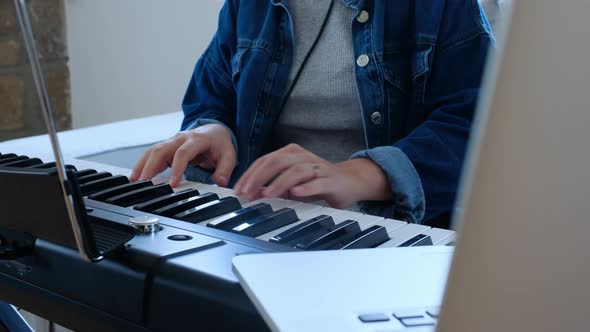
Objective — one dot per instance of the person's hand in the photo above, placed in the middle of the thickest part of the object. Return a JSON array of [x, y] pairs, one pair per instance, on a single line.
[[209, 146], [304, 176]]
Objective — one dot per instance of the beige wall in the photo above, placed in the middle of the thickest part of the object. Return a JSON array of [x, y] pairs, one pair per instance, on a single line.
[[133, 58]]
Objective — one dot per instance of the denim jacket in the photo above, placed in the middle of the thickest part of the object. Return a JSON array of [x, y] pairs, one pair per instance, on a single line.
[[417, 90]]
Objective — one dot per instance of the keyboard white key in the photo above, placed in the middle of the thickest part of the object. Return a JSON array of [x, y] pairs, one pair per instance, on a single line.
[[439, 235], [275, 203], [366, 221], [403, 234], [338, 215], [391, 224], [449, 240], [243, 199]]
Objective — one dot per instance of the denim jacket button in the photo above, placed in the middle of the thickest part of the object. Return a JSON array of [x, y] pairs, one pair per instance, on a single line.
[[362, 60], [376, 118], [363, 17]]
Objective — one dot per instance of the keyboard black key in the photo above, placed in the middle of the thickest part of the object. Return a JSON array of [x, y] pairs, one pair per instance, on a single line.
[[53, 170], [44, 166], [299, 232], [210, 210], [93, 177], [12, 159], [85, 172], [338, 233], [118, 190], [417, 241], [185, 204], [140, 195], [7, 155], [267, 223], [369, 238], [24, 163], [233, 219], [160, 202], [102, 184]]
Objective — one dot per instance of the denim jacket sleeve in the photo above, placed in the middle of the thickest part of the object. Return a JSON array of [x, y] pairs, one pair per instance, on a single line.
[[424, 167]]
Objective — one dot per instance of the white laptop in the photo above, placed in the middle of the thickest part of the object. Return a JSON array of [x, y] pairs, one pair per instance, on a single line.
[[522, 260]]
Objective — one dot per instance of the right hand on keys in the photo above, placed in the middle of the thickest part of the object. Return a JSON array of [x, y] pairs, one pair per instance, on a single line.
[[209, 146]]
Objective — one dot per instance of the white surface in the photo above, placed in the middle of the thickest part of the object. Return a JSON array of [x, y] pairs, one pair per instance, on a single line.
[[133, 58], [80, 142], [327, 290]]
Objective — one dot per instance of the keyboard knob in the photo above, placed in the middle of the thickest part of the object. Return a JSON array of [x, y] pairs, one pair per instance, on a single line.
[[145, 224]]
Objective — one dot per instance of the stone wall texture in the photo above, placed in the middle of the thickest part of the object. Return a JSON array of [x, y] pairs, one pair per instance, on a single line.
[[20, 113]]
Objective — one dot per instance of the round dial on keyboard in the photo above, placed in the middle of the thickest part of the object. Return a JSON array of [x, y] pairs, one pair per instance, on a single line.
[[145, 224]]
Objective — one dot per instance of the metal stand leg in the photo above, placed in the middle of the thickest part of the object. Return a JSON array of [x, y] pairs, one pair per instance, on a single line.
[[11, 320]]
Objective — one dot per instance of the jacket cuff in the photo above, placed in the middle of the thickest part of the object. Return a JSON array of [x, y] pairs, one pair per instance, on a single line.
[[408, 195]]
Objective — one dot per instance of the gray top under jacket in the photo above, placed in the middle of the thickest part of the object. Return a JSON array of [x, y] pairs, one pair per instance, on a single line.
[[322, 112]]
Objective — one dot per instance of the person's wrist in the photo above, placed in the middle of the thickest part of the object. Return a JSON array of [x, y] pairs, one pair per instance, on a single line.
[[370, 182]]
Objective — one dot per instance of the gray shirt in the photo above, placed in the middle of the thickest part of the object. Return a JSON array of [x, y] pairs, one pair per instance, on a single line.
[[322, 113]]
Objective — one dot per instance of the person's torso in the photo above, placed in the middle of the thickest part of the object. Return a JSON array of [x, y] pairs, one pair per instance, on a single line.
[[393, 43]]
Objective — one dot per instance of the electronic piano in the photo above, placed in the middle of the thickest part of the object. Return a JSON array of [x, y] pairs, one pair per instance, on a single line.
[[175, 271]]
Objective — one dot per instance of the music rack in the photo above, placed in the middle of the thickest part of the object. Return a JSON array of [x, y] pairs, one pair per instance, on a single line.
[[33, 207]]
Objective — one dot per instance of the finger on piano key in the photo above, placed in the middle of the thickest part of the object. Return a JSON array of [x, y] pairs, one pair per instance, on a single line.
[[267, 223], [339, 233], [102, 184], [118, 190], [403, 234], [185, 204], [162, 201], [233, 219], [24, 163], [210, 210], [140, 195], [305, 228], [368, 238], [440, 236]]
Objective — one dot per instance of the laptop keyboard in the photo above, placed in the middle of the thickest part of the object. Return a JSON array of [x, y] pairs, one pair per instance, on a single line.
[[407, 318]]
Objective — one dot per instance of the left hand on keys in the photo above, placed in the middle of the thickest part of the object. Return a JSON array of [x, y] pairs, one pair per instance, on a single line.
[[301, 175]]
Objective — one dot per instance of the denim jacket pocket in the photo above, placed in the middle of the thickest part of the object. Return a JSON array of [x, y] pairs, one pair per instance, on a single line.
[[408, 72], [395, 71]]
